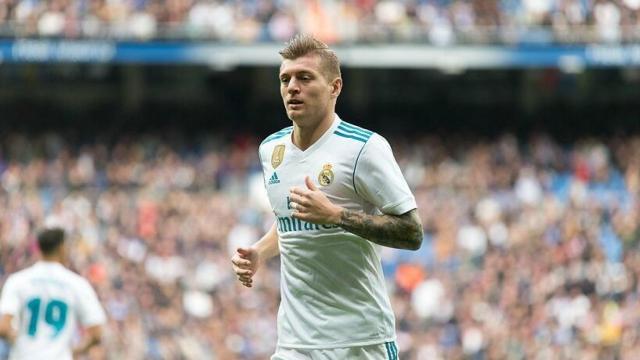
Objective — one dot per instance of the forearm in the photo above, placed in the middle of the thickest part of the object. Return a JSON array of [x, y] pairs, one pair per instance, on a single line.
[[89, 341], [6, 330], [268, 246], [396, 231], [9, 335], [83, 347]]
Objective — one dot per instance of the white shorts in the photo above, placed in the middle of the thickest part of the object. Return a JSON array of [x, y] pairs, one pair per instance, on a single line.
[[385, 351]]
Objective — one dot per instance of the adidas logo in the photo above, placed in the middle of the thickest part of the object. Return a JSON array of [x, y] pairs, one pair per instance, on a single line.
[[274, 179]]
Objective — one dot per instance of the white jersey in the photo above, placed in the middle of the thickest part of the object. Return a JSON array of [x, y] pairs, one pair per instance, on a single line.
[[48, 301], [332, 285]]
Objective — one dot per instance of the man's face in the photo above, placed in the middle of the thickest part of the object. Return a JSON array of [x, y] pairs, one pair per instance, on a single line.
[[307, 94]]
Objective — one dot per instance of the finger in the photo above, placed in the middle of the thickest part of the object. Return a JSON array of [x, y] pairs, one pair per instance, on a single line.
[[244, 252], [310, 185], [244, 272], [295, 197], [299, 207], [237, 268], [300, 215], [298, 191], [300, 200], [243, 263]]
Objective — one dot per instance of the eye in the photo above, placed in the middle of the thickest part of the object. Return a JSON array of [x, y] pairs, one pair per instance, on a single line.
[[284, 80]]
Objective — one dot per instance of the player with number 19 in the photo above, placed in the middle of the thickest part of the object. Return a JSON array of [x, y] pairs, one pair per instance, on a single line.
[[40, 306]]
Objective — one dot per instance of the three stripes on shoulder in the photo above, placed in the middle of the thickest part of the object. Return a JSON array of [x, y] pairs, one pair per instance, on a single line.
[[354, 132], [345, 130]]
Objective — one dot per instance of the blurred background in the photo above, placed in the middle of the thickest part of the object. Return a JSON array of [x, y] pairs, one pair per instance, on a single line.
[[515, 122]]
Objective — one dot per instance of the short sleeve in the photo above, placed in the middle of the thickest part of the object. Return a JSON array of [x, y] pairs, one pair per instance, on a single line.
[[378, 179], [90, 311], [264, 181], [10, 301]]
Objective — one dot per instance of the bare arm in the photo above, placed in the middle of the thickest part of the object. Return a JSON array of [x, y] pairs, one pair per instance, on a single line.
[[246, 261], [397, 231], [6, 330], [92, 338], [268, 247]]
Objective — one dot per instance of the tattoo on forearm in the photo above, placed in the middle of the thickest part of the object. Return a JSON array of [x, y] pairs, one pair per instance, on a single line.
[[396, 231]]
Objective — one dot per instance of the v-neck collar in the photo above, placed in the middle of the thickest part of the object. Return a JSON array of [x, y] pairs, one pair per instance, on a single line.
[[319, 142]]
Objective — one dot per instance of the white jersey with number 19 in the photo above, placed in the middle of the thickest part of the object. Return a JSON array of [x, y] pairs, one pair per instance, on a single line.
[[332, 285], [48, 301]]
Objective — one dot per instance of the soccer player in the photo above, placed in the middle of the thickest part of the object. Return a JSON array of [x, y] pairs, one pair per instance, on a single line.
[[44, 302], [337, 193]]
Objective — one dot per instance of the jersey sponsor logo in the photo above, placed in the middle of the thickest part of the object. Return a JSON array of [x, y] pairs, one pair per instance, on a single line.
[[277, 156], [289, 223], [326, 175], [274, 179]]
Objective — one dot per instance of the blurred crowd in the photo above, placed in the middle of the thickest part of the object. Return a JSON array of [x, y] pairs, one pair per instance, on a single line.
[[439, 22], [530, 248]]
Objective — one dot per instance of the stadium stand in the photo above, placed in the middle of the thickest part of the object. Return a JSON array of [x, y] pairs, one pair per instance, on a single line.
[[531, 239], [441, 22], [530, 248]]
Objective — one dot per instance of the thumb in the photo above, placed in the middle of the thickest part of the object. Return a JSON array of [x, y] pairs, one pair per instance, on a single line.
[[244, 251], [310, 184]]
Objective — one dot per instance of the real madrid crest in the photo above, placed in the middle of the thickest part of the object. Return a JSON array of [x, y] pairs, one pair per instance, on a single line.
[[277, 156], [326, 175]]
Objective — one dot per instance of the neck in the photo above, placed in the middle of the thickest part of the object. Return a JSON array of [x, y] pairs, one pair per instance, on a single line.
[[52, 258], [305, 136]]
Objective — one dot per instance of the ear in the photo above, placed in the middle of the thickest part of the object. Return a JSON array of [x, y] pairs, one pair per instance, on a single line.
[[336, 87]]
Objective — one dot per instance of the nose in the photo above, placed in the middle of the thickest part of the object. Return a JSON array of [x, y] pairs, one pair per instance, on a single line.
[[292, 87]]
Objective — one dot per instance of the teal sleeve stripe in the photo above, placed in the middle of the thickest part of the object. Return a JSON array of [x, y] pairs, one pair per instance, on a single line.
[[281, 132], [276, 136], [355, 132], [354, 127], [264, 182], [386, 345], [355, 166], [395, 350], [350, 136]]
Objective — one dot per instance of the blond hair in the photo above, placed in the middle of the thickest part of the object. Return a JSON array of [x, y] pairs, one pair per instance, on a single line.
[[302, 44]]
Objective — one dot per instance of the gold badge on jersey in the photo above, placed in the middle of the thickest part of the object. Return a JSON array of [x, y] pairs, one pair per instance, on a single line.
[[277, 156], [326, 175]]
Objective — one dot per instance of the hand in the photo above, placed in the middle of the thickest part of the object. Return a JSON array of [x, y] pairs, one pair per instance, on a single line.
[[12, 335], [313, 206], [245, 264]]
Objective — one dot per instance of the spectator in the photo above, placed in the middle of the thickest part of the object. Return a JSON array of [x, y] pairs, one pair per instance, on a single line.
[[530, 248], [436, 22]]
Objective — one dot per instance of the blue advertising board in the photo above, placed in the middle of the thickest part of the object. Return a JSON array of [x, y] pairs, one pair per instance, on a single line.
[[376, 56]]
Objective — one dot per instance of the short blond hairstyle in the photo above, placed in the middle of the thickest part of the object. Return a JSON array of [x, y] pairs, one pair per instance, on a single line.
[[302, 44]]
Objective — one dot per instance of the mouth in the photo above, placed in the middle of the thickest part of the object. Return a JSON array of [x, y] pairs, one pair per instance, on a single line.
[[295, 103]]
